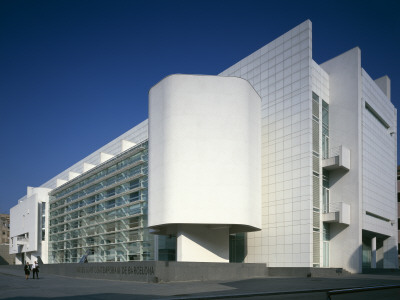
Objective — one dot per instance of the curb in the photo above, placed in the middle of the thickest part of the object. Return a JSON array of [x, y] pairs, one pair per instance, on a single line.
[[248, 295]]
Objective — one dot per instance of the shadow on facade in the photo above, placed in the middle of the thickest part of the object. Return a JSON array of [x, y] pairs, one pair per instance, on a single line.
[[3, 261]]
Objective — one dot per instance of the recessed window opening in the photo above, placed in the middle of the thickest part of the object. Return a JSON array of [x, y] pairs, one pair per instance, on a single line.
[[376, 115], [376, 216]]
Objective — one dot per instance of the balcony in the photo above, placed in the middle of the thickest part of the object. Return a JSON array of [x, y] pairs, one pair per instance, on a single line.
[[337, 213], [22, 240], [338, 159]]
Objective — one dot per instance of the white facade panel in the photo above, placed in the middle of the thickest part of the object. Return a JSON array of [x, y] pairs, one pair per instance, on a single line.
[[281, 73], [379, 155], [344, 71], [204, 163], [25, 225], [194, 242], [320, 82], [204, 152]]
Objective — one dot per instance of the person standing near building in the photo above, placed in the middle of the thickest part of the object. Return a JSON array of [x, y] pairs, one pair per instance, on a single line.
[[35, 270], [32, 267], [27, 269]]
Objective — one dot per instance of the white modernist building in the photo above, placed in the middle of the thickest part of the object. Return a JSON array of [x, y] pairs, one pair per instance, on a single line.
[[328, 158], [277, 160], [28, 234]]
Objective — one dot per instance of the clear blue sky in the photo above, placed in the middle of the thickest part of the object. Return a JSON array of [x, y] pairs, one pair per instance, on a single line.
[[75, 74]]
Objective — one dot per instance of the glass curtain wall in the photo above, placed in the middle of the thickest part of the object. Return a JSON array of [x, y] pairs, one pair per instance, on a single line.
[[103, 212], [326, 238], [325, 155], [237, 247], [325, 192], [325, 130], [43, 220], [366, 252], [320, 112], [325, 181], [166, 247], [316, 178]]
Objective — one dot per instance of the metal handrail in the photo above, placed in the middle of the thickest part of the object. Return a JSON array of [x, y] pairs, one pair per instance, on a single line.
[[335, 151], [334, 207]]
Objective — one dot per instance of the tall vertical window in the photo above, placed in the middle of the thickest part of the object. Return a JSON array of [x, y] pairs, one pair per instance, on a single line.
[[326, 232], [316, 178], [43, 217], [325, 129], [237, 247], [325, 191]]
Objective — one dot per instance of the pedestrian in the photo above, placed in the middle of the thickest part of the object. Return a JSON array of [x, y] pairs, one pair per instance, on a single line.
[[27, 269], [32, 268], [35, 270]]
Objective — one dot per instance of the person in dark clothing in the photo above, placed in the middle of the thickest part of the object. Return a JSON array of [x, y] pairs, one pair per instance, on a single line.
[[27, 269], [35, 270]]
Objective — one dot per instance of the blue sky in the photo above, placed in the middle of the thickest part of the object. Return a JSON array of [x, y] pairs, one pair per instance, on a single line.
[[75, 74]]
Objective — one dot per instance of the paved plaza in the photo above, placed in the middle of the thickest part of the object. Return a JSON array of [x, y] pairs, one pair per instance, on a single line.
[[13, 285]]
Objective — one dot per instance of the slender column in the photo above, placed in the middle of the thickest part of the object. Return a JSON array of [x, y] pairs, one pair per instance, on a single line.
[[373, 253], [156, 247]]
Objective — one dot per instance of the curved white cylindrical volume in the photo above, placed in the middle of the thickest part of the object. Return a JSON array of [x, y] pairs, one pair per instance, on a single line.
[[204, 153]]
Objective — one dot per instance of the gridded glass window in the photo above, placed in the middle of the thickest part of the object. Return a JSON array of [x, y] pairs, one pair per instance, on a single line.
[[315, 105], [166, 248], [109, 227], [325, 191], [43, 220], [102, 212], [325, 129], [134, 222], [316, 133], [110, 192], [237, 247], [134, 197], [110, 204], [134, 184], [326, 233], [134, 209], [325, 113], [134, 235]]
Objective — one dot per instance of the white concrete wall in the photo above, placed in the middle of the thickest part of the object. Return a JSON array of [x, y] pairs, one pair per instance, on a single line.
[[204, 162], [44, 245], [204, 152], [379, 155], [199, 243], [320, 84], [345, 129], [384, 84], [25, 219], [281, 74]]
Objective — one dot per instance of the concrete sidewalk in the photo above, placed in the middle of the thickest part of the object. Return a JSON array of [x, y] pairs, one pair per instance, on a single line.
[[14, 286]]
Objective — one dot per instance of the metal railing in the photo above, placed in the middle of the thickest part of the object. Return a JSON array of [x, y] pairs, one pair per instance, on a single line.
[[332, 152], [334, 207]]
